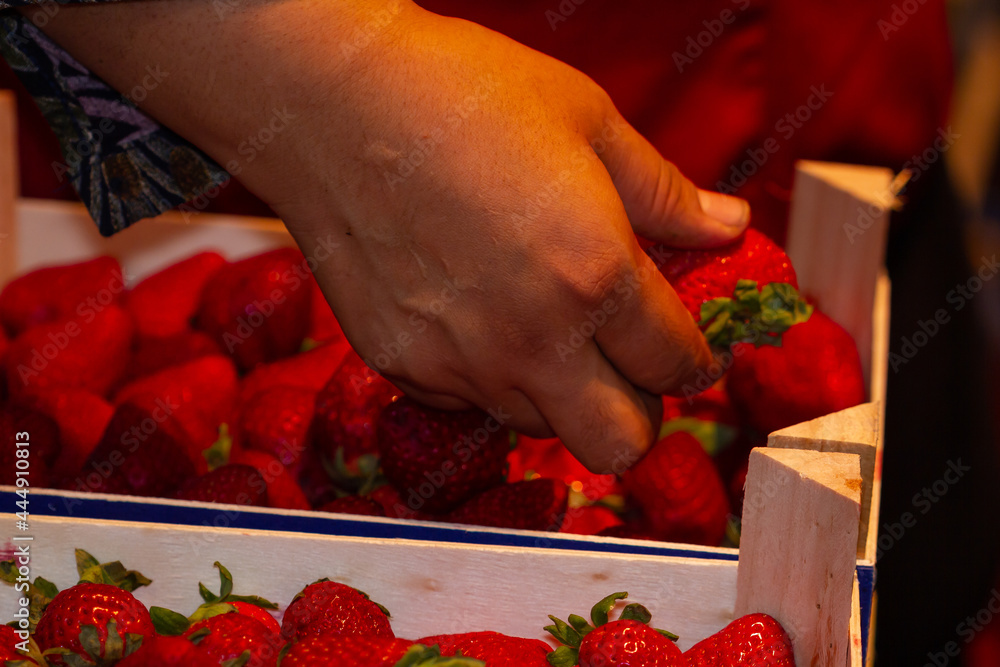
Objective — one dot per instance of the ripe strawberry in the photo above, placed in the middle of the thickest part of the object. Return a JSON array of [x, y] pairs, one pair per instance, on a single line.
[[232, 483], [309, 370], [330, 608], [62, 625], [394, 507], [136, 454], [754, 640], [164, 303], [814, 372], [439, 459], [590, 520], [549, 457], [493, 648], [626, 642], [680, 491], [282, 490], [42, 448], [166, 651], [227, 636], [87, 352], [81, 417], [323, 324], [257, 309], [346, 411], [258, 613], [359, 505], [156, 353], [9, 655], [537, 504], [59, 292], [347, 651], [700, 275], [276, 421]]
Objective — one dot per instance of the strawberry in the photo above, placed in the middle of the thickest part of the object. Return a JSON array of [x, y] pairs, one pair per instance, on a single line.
[[549, 457], [87, 352], [233, 483], [81, 417], [258, 613], [282, 489], [105, 608], [700, 275], [164, 303], [329, 608], [156, 353], [42, 446], [323, 324], [257, 309], [392, 504], [439, 459], [227, 636], [680, 491], [493, 648], [136, 454], [165, 651], [309, 370], [276, 421], [347, 408], [754, 640], [10, 656], [590, 520], [359, 505], [348, 651], [537, 504], [626, 642], [814, 372], [59, 292]]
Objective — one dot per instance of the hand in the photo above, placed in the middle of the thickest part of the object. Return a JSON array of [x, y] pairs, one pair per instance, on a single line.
[[483, 201]]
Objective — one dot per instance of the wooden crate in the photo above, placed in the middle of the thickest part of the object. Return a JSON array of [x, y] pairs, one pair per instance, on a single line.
[[443, 578]]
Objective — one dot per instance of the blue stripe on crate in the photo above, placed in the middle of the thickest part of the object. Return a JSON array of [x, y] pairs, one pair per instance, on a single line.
[[866, 591]]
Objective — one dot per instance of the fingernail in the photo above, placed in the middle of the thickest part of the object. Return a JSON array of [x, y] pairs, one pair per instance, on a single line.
[[730, 211]]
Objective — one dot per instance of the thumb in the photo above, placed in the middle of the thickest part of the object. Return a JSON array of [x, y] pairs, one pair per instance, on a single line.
[[661, 203]]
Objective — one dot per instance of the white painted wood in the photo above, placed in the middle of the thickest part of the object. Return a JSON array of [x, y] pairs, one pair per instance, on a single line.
[[9, 185], [797, 549], [428, 587]]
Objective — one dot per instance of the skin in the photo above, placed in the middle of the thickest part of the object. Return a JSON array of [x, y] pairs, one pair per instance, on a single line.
[[482, 198]]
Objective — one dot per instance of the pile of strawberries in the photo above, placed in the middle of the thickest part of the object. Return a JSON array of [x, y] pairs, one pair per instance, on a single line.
[[232, 382], [99, 622]]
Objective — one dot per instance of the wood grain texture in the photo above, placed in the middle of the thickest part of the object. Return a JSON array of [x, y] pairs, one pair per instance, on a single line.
[[797, 551]]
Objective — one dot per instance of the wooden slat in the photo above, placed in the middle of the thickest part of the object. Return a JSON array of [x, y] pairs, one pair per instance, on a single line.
[[797, 550]]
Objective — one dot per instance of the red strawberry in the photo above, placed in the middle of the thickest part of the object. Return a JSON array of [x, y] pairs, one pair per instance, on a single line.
[[87, 352], [347, 409], [394, 507], [232, 483], [323, 324], [165, 651], [60, 292], [495, 649], [257, 309], [626, 642], [754, 640], [359, 505], [537, 504], [282, 489], [309, 370], [41, 443], [590, 520], [814, 372], [347, 651], [700, 275], [549, 457], [439, 459], [227, 636], [164, 303], [330, 608], [258, 613], [9, 655], [136, 454], [276, 421], [680, 491], [91, 604], [81, 417], [156, 353]]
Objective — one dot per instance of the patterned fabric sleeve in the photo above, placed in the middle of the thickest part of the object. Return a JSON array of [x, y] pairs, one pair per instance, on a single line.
[[124, 165]]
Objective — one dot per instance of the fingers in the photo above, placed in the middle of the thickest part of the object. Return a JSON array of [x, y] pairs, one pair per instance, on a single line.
[[661, 203]]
